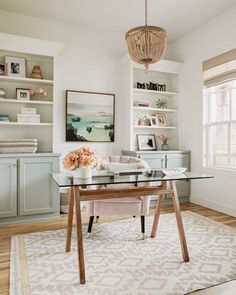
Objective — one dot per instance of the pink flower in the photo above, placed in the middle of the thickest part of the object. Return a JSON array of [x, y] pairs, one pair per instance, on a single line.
[[81, 158], [163, 137]]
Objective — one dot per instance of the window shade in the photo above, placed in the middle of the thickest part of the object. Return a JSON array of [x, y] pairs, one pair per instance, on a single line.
[[220, 69]]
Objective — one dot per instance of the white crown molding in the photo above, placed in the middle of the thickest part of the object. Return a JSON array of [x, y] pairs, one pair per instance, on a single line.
[[30, 45]]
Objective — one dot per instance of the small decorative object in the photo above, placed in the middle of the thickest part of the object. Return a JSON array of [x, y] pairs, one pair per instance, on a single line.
[[151, 86], [146, 142], [161, 87], [38, 93], [81, 162], [3, 69], [22, 94], [140, 85], [36, 73], [142, 103], [15, 66], [161, 103], [146, 44], [90, 116], [164, 139], [175, 171], [2, 93], [141, 120], [161, 120], [153, 121]]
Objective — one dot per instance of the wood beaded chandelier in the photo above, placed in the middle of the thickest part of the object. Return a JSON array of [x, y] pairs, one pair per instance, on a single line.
[[146, 44]]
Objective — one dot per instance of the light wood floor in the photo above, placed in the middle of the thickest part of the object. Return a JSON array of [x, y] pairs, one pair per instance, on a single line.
[[7, 231]]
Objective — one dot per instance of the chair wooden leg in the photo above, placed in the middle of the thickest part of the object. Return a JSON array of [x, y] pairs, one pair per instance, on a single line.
[[143, 226], [97, 217], [90, 225], [179, 222], [79, 236], [70, 221]]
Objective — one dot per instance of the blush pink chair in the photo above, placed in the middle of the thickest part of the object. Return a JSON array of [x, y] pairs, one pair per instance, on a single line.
[[136, 206]]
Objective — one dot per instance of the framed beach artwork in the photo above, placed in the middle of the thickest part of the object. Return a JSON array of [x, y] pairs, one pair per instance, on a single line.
[[89, 116]]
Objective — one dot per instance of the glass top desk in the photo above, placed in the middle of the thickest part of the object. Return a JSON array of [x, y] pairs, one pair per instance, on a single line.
[[104, 187]]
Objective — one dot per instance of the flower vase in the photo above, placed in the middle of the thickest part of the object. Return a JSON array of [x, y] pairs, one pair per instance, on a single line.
[[164, 146], [83, 172]]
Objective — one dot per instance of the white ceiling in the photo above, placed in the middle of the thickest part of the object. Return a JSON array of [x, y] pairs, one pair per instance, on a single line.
[[178, 17]]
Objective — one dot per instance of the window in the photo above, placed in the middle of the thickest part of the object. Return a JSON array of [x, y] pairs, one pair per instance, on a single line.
[[220, 113]]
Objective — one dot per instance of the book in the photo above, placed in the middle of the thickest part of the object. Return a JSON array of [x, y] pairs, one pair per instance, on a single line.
[[28, 118], [28, 111]]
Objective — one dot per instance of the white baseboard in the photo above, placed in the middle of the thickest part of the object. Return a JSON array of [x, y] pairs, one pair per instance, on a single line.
[[214, 205]]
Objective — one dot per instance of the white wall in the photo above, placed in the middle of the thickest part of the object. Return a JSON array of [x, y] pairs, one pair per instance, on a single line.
[[207, 41], [88, 63]]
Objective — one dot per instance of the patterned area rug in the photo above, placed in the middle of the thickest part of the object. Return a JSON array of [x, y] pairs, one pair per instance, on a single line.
[[118, 262]]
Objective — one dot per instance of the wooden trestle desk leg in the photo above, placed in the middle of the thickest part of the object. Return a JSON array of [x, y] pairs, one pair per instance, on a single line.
[[157, 213], [79, 237], [70, 219], [179, 222]]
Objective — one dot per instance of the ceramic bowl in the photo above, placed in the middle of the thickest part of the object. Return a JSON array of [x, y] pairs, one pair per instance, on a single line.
[[175, 171]]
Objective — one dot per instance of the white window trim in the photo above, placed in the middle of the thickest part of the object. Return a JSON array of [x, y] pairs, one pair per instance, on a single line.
[[220, 170]]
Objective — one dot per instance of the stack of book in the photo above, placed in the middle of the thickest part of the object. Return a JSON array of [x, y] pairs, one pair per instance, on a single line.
[[28, 115], [18, 146], [4, 118], [142, 103]]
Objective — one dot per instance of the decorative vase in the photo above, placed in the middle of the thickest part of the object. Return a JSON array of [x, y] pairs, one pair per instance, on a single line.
[[36, 73], [83, 172], [164, 146], [2, 93], [141, 122]]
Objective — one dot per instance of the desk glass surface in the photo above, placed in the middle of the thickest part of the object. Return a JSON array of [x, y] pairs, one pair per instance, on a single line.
[[67, 180]]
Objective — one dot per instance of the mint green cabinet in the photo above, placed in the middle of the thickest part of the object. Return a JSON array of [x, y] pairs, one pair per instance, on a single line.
[[35, 185], [27, 191], [8, 187], [166, 160]]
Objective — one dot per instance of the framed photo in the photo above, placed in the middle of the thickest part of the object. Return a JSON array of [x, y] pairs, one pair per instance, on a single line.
[[15, 66], [153, 120], [22, 94], [146, 142], [90, 116], [161, 120], [3, 69]]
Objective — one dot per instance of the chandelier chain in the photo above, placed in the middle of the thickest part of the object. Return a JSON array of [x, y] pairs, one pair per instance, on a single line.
[[146, 12]]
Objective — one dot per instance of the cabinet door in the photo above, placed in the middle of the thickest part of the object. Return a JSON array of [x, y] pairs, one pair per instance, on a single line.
[[175, 161], [155, 161], [37, 194], [8, 194]]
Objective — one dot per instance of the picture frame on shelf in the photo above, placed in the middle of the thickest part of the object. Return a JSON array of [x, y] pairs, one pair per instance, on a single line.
[[16, 66], [153, 120], [23, 94], [90, 116], [146, 142], [3, 69], [161, 120]]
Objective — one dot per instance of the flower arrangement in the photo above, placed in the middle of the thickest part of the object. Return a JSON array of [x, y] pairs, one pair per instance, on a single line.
[[38, 93], [141, 119], [164, 138], [82, 157]]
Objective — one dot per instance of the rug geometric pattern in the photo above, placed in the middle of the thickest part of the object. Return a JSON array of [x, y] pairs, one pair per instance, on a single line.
[[118, 262]]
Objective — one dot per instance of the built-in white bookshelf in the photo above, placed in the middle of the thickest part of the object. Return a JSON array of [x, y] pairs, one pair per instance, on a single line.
[[11, 106], [164, 72]]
